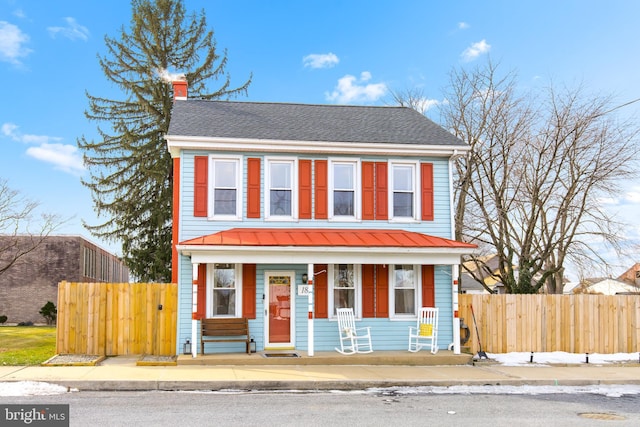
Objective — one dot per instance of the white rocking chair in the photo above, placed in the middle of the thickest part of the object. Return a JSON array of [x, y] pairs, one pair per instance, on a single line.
[[425, 333], [352, 339]]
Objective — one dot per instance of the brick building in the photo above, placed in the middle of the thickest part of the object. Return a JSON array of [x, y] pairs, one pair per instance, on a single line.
[[33, 280]]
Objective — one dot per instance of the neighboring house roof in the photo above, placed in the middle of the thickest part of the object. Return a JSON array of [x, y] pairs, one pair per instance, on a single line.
[[632, 275], [325, 245], [570, 287], [469, 285], [608, 287], [304, 122], [491, 262]]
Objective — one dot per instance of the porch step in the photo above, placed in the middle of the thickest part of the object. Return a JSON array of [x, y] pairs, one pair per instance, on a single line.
[[395, 358]]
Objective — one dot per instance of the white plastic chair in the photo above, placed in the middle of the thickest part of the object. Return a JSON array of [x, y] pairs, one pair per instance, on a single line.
[[425, 333], [352, 339]]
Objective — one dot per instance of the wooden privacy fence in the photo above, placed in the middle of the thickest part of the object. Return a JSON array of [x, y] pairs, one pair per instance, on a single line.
[[117, 318], [603, 324]]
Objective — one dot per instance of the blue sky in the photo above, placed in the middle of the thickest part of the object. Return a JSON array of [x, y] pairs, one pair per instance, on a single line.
[[326, 51]]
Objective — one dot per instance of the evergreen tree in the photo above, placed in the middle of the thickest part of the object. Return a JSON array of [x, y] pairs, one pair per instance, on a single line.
[[130, 167]]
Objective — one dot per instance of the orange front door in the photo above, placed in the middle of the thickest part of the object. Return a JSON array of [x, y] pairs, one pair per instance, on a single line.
[[279, 316]]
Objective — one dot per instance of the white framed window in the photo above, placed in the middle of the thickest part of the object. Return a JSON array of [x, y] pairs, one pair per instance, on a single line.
[[280, 197], [226, 188], [344, 189], [344, 288], [403, 197], [403, 290], [224, 291]]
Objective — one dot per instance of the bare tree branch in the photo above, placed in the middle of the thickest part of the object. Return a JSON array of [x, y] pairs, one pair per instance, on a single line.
[[17, 221]]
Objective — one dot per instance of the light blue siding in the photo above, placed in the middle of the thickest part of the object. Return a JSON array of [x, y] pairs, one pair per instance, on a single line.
[[191, 227], [387, 334]]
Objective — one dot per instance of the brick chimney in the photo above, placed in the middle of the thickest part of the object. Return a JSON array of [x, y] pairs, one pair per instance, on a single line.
[[180, 88]]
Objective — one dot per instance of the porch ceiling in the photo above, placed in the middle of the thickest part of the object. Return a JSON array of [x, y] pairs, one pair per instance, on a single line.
[[311, 245]]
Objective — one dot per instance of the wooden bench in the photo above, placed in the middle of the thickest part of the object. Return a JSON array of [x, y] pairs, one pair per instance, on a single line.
[[224, 330]]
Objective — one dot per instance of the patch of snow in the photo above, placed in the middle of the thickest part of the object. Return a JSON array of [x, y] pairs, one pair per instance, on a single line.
[[605, 390], [561, 357], [31, 388]]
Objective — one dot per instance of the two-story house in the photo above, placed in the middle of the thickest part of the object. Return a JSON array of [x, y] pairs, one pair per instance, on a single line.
[[273, 200]]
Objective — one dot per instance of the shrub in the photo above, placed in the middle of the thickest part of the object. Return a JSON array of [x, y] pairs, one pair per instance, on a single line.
[[49, 312], [3, 319]]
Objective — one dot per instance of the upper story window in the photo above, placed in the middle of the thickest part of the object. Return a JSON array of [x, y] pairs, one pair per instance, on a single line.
[[403, 195], [226, 189], [344, 191], [403, 294], [280, 197], [344, 285]]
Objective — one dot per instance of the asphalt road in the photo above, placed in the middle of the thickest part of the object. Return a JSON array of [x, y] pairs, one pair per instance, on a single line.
[[370, 408]]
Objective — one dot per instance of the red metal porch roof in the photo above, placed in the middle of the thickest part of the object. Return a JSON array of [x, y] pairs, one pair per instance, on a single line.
[[315, 237]]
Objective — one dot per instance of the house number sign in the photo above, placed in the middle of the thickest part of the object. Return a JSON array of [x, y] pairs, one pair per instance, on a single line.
[[304, 290]]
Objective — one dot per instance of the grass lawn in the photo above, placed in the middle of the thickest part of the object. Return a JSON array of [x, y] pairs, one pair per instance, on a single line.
[[26, 345]]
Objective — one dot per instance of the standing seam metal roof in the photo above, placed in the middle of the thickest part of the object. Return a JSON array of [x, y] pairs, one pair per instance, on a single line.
[[312, 237], [306, 122]]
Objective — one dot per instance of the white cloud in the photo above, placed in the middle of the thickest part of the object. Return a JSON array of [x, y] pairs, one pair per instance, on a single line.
[[47, 149], [475, 50], [63, 156], [72, 31], [11, 130], [463, 25], [425, 104], [611, 201], [320, 60], [351, 89], [12, 43], [169, 77], [633, 196]]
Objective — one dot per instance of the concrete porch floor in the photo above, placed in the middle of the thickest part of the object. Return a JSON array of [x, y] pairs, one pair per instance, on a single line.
[[397, 358]]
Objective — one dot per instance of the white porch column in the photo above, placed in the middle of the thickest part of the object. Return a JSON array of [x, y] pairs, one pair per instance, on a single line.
[[310, 321], [456, 314], [194, 311]]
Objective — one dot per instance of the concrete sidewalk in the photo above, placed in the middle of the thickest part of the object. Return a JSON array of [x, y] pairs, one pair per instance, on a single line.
[[122, 373]]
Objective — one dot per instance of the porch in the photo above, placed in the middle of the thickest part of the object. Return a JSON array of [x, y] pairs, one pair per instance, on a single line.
[[295, 357]]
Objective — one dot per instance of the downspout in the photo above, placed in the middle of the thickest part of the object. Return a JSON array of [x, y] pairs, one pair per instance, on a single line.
[[310, 344], [194, 311], [454, 268]]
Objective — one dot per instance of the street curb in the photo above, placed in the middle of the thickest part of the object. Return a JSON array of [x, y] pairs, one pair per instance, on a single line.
[[332, 385]]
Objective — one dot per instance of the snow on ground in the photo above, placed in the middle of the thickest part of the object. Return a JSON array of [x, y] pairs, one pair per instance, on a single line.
[[30, 388], [560, 357], [604, 390], [34, 388]]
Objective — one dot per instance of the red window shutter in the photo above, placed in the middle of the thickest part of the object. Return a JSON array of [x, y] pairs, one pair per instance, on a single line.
[[253, 188], [200, 180], [320, 291], [382, 200], [368, 188], [427, 191], [382, 291], [202, 292], [368, 291], [249, 291], [322, 195], [428, 286], [304, 189]]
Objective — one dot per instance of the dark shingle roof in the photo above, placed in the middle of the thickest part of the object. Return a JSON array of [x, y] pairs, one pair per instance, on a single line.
[[304, 122]]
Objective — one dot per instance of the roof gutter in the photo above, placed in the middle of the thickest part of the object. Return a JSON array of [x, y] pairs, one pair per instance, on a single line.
[[178, 143]]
